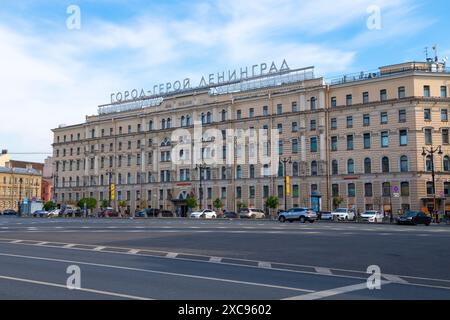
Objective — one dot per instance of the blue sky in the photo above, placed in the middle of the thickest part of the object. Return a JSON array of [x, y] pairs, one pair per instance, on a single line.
[[51, 75]]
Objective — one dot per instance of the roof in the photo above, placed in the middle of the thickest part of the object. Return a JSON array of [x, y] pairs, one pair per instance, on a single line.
[[20, 171], [24, 164]]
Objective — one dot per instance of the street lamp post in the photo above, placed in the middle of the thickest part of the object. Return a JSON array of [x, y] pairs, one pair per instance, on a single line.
[[20, 197], [200, 168], [285, 161], [431, 151]]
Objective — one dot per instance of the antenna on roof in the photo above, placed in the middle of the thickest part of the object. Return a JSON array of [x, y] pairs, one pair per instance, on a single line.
[[435, 49]]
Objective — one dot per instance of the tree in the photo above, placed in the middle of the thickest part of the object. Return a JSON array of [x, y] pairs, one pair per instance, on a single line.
[[218, 204], [50, 205], [337, 201], [91, 203], [105, 204], [241, 205], [272, 202], [191, 203]]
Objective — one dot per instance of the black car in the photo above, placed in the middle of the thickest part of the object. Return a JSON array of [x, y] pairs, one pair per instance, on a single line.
[[415, 218], [230, 215], [9, 213], [147, 213]]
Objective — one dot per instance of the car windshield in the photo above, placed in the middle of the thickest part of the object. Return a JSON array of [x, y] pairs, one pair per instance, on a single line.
[[341, 210], [371, 213], [411, 214]]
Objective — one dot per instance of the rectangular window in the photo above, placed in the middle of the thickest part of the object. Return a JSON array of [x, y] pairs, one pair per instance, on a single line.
[[295, 191], [251, 113], [281, 192], [265, 111], [333, 102], [313, 144], [384, 139], [251, 192], [365, 97], [367, 141], [334, 143], [366, 120], [443, 92], [350, 142], [333, 124], [313, 125], [265, 192], [401, 92], [349, 100], [294, 127], [444, 115], [351, 190], [384, 118], [335, 190], [402, 116], [426, 91], [368, 190], [447, 189], [403, 137], [294, 146], [239, 115], [279, 109], [280, 128], [350, 122], [445, 139], [427, 114], [383, 95], [294, 107], [428, 136], [238, 192]]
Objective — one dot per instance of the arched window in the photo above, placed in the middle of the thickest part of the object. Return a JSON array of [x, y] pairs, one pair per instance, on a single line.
[[169, 123], [335, 167], [446, 163], [252, 171], [429, 164], [188, 120], [239, 172], [295, 171], [367, 166], [203, 118], [404, 165], [314, 168], [163, 124], [385, 165], [224, 115], [350, 166]]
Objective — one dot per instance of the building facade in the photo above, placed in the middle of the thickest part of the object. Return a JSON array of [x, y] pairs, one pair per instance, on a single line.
[[356, 141], [17, 184]]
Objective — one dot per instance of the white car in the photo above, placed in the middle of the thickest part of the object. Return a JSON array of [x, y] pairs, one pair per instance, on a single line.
[[203, 214], [53, 213], [372, 216], [343, 214]]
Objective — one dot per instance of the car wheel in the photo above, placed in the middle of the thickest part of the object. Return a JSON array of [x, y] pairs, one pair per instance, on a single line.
[[346, 218], [427, 224], [311, 221], [282, 219], [253, 216], [302, 220]]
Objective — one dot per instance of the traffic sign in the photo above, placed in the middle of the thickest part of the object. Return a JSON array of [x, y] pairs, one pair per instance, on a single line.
[[25, 201], [396, 189], [396, 195]]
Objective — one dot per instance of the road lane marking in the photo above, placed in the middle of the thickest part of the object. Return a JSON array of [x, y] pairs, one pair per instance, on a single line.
[[172, 255], [264, 265], [394, 278], [41, 243], [16, 241], [215, 259], [181, 275], [68, 246], [332, 292], [99, 248], [325, 271], [49, 284], [134, 251]]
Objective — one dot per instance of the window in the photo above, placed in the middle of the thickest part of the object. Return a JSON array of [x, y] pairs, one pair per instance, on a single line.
[[427, 114], [428, 136], [252, 171], [334, 167], [349, 100], [295, 169], [295, 191], [280, 146], [294, 107], [368, 190], [313, 142], [402, 116], [428, 164], [383, 95], [366, 120], [384, 118], [385, 165], [350, 166], [386, 189], [426, 91], [404, 189], [446, 164], [401, 92], [334, 143], [430, 189], [349, 122], [367, 141], [404, 164], [333, 124], [403, 137], [239, 172], [294, 127], [265, 192], [365, 97], [313, 125], [265, 111], [333, 102], [314, 168], [251, 113], [279, 109], [384, 139], [443, 92], [280, 192], [251, 192], [313, 103], [367, 166], [239, 114], [351, 190], [444, 115], [280, 128], [335, 190], [447, 189], [350, 142], [294, 146]]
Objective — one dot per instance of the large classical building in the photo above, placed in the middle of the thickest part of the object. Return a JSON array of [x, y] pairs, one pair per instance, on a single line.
[[356, 141]]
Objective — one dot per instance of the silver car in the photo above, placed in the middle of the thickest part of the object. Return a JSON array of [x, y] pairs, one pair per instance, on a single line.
[[251, 213], [298, 214]]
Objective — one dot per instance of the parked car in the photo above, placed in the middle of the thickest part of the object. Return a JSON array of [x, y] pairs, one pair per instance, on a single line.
[[325, 215], [343, 214], [40, 213], [108, 213], [414, 218], [298, 214], [372, 216], [166, 214], [230, 215], [54, 213], [203, 214], [251, 213], [9, 213]]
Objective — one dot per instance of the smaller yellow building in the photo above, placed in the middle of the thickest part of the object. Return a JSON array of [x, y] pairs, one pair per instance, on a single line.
[[17, 184]]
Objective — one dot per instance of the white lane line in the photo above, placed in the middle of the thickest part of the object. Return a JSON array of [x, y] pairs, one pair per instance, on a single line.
[[215, 260], [68, 246], [264, 265], [159, 272], [134, 251], [99, 248], [394, 278], [49, 284], [16, 241], [171, 255], [332, 292], [325, 271], [41, 243]]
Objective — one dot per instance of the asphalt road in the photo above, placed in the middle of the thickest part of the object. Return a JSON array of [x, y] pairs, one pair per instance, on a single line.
[[221, 259]]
